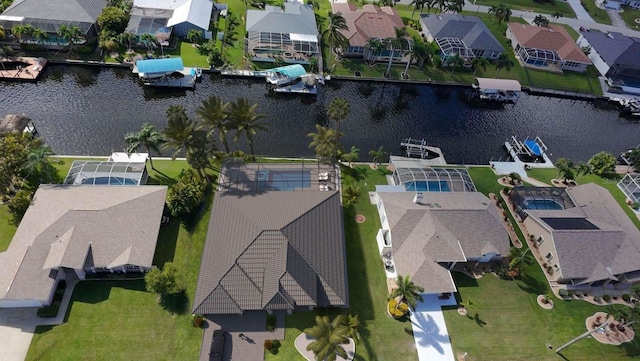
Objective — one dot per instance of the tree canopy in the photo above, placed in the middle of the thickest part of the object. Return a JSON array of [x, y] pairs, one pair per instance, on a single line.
[[602, 164]]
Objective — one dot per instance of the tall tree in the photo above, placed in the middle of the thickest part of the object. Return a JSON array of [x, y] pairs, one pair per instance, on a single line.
[[194, 36], [541, 20], [602, 164], [503, 14], [374, 46], [323, 141], [566, 169], [39, 35], [455, 6], [417, 4], [126, 38], [455, 61], [395, 43], [479, 62], [147, 137], [377, 156], [351, 156], [20, 31], [421, 51], [213, 113], [179, 131], [338, 110], [246, 120], [503, 62], [520, 259], [148, 40], [442, 4], [329, 336], [407, 291], [557, 15], [634, 158], [333, 32]]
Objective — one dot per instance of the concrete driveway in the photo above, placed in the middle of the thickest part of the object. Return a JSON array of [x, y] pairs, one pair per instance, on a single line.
[[16, 330]]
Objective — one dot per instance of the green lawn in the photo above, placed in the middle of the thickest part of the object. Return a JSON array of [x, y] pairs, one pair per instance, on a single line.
[[597, 14], [104, 314], [536, 7], [570, 81], [189, 54], [7, 228], [630, 15]]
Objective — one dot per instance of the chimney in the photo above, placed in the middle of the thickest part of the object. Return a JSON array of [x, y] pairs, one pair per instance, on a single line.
[[418, 198]]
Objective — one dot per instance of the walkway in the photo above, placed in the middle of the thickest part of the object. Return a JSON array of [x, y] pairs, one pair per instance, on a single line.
[[581, 13], [430, 331]]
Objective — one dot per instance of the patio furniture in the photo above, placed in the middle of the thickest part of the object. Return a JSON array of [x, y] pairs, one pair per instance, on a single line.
[[323, 176]]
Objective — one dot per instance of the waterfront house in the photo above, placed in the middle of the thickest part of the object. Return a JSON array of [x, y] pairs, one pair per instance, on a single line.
[[165, 17], [275, 241], [581, 235], [371, 23], [50, 15], [616, 56], [547, 48], [290, 33], [467, 36], [73, 231], [434, 221]]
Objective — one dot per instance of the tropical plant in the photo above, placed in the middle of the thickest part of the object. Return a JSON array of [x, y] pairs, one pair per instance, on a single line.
[[602, 164], [377, 156], [503, 62], [40, 164], [324, 141], [179, 130], [502, 13], [566, 169], [338, 110], [407, 291], [541, 20], [22, 30], [479, 62], [126, 38], [634, 158], [350, 194], [333, 33], [374, 47], [557, 15], [194, 36], [455, 6], [468, 305], [186, 194], [519, 259], [313, 64], [214, 117], [245, 119], [71, 34], [18, 205], [421, 51], [163, 282], [147, 40], [514, 178], [328, 338], [2, 33], [455, 61], [147, 137], [351, 156], [395, 43], [39, 35], [353, 324], [108, 40], [417, 4], [442, 4]]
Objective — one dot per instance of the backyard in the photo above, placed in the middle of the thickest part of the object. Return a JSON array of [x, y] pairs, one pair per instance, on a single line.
[[631, 17], [107, 313], [543, 7]]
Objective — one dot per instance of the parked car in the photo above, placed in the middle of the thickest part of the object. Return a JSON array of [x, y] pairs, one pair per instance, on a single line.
[[217, 346]]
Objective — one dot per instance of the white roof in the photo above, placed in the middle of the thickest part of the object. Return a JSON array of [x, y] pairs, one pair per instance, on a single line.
[[303, 37], [159, 4], [196, 12], [11, 18], [129, 158], [498, 84]]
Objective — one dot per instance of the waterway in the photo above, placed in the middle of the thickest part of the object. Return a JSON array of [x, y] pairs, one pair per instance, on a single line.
[[83, 110]]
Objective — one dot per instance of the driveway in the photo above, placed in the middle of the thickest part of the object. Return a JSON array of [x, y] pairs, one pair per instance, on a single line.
[[16, 330], [430, 331]]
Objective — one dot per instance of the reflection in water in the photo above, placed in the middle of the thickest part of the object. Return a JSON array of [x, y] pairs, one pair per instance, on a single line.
[[82, 110]]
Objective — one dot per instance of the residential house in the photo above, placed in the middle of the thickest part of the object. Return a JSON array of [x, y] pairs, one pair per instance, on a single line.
[[546, 48], [72, 231], [275, 242], [616, 56], [370, 23], [582, 235], [50, 15], [618, 4], [467, 36], [432, 221], [165, 17], [291, 33]]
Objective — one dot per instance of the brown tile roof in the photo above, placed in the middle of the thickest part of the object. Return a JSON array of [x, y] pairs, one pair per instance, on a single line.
[[368, 22], [553, 37]]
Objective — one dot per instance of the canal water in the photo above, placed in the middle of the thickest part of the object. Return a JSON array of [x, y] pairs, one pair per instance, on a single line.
[[83, 110]]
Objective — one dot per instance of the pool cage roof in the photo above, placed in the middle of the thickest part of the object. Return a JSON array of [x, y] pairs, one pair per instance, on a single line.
[[450, 46], [630, 186], [546, 55], [457, 179], [48, 25], [107, 173], [559, 195]]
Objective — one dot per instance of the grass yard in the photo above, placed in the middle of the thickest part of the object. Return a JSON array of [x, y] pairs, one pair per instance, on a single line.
[[189, 54], [536, 7], [107, 313], [570, 81], [7, 228], [597, 14], [383, 338], [629, 16]]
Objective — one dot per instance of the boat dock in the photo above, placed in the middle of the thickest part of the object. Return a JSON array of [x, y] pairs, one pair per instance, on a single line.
[[299, 88], [418, 149], [166, 72], [186, 82], [244, 73], [22, 68]]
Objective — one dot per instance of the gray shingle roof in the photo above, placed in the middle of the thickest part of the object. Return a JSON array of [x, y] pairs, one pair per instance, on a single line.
[[615, 47], [463, 225], [86, 11], [68, 225], [272, 250], [470, 29], [297, 19]]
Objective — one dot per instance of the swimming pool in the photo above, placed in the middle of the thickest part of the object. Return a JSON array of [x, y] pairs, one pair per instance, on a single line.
[[284, 180], [110, 181], [541, 204], [427, 186]]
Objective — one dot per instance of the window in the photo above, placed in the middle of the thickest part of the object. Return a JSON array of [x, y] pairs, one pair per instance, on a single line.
[[539, 240], [132, 268], [549, 256]]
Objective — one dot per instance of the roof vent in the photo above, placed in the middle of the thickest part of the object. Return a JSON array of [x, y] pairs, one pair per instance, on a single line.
[[610, 35], [418, 198]]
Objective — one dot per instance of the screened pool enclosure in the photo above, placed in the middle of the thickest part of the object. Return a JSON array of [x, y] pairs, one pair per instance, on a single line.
[[539, 198], [630, 186], [434, 179], [107, 173]]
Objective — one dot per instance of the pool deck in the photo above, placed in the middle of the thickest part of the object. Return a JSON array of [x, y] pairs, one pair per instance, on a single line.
[[30, 72]]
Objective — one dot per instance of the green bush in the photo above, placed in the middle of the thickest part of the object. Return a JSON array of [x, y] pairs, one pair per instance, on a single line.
[[186, 194], [626, 298], [606, 298], [635, 205], [563, 293], [271, 323], [596, 298]]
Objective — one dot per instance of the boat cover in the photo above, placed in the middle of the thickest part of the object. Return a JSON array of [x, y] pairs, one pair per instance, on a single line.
[[498, 84], [291, 71], [159, 65], [533, 147]]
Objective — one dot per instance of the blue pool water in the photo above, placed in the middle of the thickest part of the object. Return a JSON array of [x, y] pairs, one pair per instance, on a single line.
[[541, 204], [287, 180], [427, 186], [110, 180]]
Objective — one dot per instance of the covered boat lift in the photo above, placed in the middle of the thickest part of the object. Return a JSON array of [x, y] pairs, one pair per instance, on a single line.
[[501, 90]]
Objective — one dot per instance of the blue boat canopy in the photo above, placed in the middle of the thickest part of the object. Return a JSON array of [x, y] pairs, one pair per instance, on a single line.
[[533, 147], [291, 71], [159, 65]]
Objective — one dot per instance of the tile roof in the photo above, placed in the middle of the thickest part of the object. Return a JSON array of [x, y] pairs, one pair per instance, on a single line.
[[470, 29], [86, 11], [297, 19], [553, 37], [370, 22], [66, 226], [272, 250]]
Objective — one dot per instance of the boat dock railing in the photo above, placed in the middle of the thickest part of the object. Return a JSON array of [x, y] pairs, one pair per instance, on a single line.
[[415, 148], [520, 147]]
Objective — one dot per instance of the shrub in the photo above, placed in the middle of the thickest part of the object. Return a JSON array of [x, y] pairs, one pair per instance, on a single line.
[[596, 298], [268, 345], [163, 282], [186, 194], [606, 298], [271, 323], [563, 293], [513, 273], [626, 298], [571, 293], [399, 311], [635, 205], [198, 320]]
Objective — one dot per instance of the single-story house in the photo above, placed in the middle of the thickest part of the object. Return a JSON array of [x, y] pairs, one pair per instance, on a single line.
[[370, 23], [548, 48], [467, 36], [275, 242], [79, 230], [616, 56], [582, 234], [291, 33], [50, 15], [156, 16]]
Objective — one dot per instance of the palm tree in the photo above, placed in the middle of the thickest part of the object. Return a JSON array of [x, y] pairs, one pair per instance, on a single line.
[[126, 38], [377, 156], [338, 110], [147, 40], [503, 13], [354, 324], [313, 64], [213, 115], [417, 4], [350, 194], [374, 47], [351, 156], [244, 118], [2, 33], [541, 20], [147, 137], [333, 32], [493, 11], [38, 162], [408, 292], [479, 62], [442, 4], [39, 35], [21, 30], [70, 34], [557, 15], [519, 259], [455, 6], [194, 36], [329, 336], [503, 62], [179, 131], [421, 50], [454, 62], [323, 141], [315, 5], [396, 42]]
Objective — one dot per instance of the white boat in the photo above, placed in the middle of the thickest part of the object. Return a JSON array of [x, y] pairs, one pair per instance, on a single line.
[[285, 74], [166, 72], [498, 90]]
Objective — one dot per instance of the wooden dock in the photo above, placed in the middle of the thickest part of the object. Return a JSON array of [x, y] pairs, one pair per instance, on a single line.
[[22, 68]]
